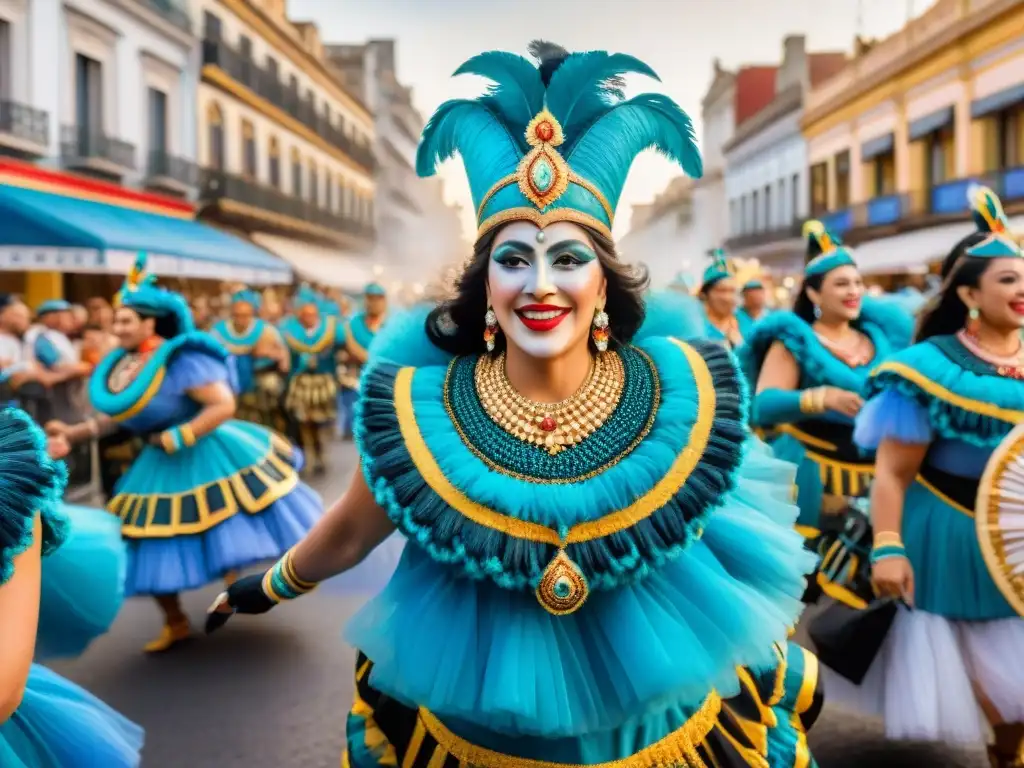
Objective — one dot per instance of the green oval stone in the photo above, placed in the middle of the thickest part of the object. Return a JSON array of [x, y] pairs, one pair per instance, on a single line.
[[542, 175], [562, 588]]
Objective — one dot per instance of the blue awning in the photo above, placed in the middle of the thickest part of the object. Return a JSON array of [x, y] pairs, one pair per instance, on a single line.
[[1010, 97], [42, 231], [874, 147]]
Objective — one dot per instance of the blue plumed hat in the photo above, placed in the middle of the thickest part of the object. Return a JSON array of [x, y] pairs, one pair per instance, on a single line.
[[247, 296], [825, 251], [719, 269], [988, 214], [141, 294], [554, 141]]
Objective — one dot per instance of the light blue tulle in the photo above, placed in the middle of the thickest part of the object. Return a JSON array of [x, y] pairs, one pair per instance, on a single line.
[[470, 650], [891, 416], [60, 725], [82, 584]]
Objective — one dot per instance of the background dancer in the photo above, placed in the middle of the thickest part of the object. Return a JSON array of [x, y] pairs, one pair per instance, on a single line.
[[718, 298], [359, 334]]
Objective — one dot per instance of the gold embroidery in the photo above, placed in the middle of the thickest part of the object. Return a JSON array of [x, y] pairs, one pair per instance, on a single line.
[[646, 505], [990, 530], [543, 219], [678, 748], [327, 339], [936, 390]]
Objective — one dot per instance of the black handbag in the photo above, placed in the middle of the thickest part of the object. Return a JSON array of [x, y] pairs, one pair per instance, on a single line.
[[848, 640]]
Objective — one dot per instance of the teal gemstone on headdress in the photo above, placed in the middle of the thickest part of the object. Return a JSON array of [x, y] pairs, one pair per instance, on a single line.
[[554, 141], [826, 251]]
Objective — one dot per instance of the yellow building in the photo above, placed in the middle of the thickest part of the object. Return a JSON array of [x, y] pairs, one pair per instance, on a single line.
[[896, 138]]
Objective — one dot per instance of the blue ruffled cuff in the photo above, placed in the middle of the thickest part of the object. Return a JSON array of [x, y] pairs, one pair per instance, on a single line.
[[892, 416]]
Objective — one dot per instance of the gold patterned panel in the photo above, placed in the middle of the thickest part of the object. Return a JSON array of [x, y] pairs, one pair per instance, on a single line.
[[999, 520]]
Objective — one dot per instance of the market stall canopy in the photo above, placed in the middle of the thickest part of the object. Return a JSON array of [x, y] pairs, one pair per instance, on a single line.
[[326, 266], [40, 231]]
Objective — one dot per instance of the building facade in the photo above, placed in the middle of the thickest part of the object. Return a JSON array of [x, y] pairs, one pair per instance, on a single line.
[[663, 236], [97, 104], [286, 149], [766, 160], [896, 138], [418, 232]]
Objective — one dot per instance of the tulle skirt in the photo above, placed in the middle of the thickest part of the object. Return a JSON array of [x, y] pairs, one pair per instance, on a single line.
[[59, 725], [921, 681]]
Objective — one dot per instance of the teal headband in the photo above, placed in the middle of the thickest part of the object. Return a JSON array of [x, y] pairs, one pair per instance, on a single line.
[[141, 294], [554, 141], [996, 246], [720, 269], [753, 285], [374, 289]]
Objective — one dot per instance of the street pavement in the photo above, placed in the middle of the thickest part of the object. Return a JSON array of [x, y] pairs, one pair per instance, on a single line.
[[273, 691]]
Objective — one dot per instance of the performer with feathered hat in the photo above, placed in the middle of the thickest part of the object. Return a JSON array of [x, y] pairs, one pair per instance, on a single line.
[[718, 298], [207, 495], [601, 567]]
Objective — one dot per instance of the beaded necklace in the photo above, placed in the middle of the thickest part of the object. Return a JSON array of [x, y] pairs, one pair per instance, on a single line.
[[1012, 367], [552, 427]]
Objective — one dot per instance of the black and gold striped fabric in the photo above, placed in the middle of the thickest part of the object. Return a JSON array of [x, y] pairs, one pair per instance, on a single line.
[[730, 733]]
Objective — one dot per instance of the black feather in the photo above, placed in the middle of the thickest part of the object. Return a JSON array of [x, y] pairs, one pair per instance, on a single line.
[[549, 57]]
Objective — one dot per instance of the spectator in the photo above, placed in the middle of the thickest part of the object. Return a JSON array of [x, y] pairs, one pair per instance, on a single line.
[[101, 314], [79, 319]]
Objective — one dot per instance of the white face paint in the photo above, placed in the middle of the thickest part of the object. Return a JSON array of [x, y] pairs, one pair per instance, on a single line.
[[544, 286]]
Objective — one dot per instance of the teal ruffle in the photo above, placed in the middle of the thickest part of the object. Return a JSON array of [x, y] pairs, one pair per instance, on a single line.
[[238, 344], [115, 403], [484, 553], [30, 484], [469, 650], [818, 366], [929, 372]]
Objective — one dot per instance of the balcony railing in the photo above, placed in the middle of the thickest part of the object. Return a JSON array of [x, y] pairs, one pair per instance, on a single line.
[[84, 143], [25, 123], [765, 236], [944, 201], [217, 185], [162, 165], [268, 85], [172, 10]]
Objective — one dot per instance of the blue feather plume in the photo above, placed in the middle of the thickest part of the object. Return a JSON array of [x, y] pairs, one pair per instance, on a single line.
[[469, 128], [604, 154], [586, 85], [516, 92]]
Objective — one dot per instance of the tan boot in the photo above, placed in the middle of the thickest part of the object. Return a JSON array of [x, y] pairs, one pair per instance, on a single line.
[[169, 636]]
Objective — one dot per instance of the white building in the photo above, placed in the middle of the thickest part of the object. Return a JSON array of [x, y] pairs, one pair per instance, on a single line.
[[286, 148], [766, 181], [418, 233], [663, 237], [104, 87]]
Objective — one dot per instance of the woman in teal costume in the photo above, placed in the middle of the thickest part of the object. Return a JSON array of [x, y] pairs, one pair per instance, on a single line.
[[718, 297], [945, 416], [601, 568], [359, 334], [261, 360], [208, 495], [313, 339], [53, 607], [808, 368]]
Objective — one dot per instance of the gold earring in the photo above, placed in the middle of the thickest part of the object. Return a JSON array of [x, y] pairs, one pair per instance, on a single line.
[[599, 330]]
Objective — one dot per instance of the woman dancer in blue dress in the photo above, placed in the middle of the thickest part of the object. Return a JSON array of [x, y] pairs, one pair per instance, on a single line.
[[945, 416], [261, 360], [601, 567], [808, 368], [61, 572], [208, 495], [718, 298]]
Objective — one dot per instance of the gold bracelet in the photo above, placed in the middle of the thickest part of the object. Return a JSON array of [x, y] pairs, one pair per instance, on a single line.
[[886, 538], [188, 436], [807, 401], [819, 401]]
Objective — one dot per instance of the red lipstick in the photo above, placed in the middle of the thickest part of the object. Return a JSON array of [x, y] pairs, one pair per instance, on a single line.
[[541, 318]]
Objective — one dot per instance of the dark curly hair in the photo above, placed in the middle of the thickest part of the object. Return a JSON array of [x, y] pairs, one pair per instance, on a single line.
[[457, 324]]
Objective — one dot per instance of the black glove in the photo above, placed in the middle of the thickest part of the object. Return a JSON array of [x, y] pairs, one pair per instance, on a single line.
[[244, 596]]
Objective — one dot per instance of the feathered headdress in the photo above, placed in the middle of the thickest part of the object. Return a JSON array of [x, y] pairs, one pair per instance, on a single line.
[[721, 267], [554, 141], [987, 211], [141, 294], [247, 296], [306, 296], [825, 251]]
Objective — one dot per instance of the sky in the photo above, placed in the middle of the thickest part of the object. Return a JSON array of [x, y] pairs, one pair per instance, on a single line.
[[679, 39]]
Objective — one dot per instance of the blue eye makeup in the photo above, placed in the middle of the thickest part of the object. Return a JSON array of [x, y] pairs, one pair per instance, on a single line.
[[571, 253], [512, 253]]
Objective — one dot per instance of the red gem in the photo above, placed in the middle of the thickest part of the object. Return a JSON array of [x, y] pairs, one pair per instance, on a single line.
[[545, 131], [548, 424]]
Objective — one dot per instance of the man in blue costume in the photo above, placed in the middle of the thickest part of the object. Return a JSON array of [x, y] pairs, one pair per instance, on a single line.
[[359, 334], [754, 305]]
